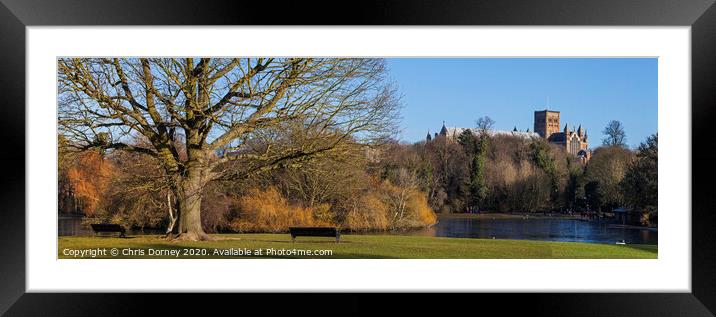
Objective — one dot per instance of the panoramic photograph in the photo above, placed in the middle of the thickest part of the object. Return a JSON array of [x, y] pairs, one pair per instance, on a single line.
[[362, 158]]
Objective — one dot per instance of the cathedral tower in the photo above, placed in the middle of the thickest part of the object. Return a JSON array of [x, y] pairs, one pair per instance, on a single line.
[[546, 123]]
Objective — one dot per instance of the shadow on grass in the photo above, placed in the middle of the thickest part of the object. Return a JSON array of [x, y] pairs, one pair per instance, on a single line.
[[644, 247], [317, 242], [294, 242], [209, 254], [106, 236]]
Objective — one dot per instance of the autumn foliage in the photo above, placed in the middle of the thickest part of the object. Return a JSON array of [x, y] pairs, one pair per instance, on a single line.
[[370, 213], [390, 207], [385, 207], [335, 191], [407, 206], [268, 211], [90, 176], [421, 213]]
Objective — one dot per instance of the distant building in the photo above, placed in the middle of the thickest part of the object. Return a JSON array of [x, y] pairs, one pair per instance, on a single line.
[[546, 125], [454, 133], [444, 130]]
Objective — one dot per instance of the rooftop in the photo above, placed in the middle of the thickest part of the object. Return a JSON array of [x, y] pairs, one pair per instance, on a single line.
[[455, 132]]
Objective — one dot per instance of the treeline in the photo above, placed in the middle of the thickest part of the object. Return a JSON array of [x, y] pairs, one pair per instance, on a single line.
[[335, 188], [392, 187], [505, 173]]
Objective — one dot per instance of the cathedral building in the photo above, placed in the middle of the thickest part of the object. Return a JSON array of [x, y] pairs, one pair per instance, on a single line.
[[546, 125]]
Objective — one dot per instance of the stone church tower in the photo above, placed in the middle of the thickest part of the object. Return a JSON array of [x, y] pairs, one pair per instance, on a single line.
[[546, 123], [573, 141]]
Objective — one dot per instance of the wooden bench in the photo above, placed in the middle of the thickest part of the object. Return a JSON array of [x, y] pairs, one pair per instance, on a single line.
[[315, 232], [108, 227]]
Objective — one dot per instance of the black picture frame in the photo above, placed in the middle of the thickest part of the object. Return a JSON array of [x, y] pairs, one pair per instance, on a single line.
[[700, 15]]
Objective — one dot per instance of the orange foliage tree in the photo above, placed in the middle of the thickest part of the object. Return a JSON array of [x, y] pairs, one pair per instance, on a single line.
[[268, 210], [90, 176]]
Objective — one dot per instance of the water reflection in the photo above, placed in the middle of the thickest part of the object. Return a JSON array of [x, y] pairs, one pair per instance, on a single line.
[[537, 229], [520, 229], [73, 226]]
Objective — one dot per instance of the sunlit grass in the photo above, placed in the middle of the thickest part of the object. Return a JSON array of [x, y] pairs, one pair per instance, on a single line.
[[364, 246]]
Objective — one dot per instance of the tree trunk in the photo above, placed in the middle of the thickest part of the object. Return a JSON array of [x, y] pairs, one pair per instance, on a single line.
[[173, 217], [190, 190]]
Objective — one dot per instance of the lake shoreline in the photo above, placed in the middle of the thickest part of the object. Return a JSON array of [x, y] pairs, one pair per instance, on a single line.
[[497, 215], [500, 226]]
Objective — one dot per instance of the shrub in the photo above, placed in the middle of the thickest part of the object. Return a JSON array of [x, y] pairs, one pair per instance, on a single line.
[[369, 214], [407, 206], [418, 204], [268, 211]]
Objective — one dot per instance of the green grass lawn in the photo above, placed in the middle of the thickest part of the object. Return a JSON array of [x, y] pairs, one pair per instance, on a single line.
[[353, 247]]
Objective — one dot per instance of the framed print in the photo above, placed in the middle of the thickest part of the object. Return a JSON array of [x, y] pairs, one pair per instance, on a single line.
[[491, 147]]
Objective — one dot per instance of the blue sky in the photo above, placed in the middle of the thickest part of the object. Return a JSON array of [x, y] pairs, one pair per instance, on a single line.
[[587, 91]]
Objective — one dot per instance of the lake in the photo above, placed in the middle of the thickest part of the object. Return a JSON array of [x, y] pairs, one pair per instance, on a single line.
[[73, 226], [545, 229]]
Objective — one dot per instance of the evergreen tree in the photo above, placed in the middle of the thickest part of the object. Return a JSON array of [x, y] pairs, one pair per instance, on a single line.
[[478, 187], [640, 183], [468, 141]]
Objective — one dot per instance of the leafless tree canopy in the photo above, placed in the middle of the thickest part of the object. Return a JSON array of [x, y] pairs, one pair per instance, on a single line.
[[614, 134], [222, 112], [484, 124], [220, 104]]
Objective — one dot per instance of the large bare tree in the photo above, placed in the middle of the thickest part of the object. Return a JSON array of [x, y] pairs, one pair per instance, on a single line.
[[208, 119], [614, 134]]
